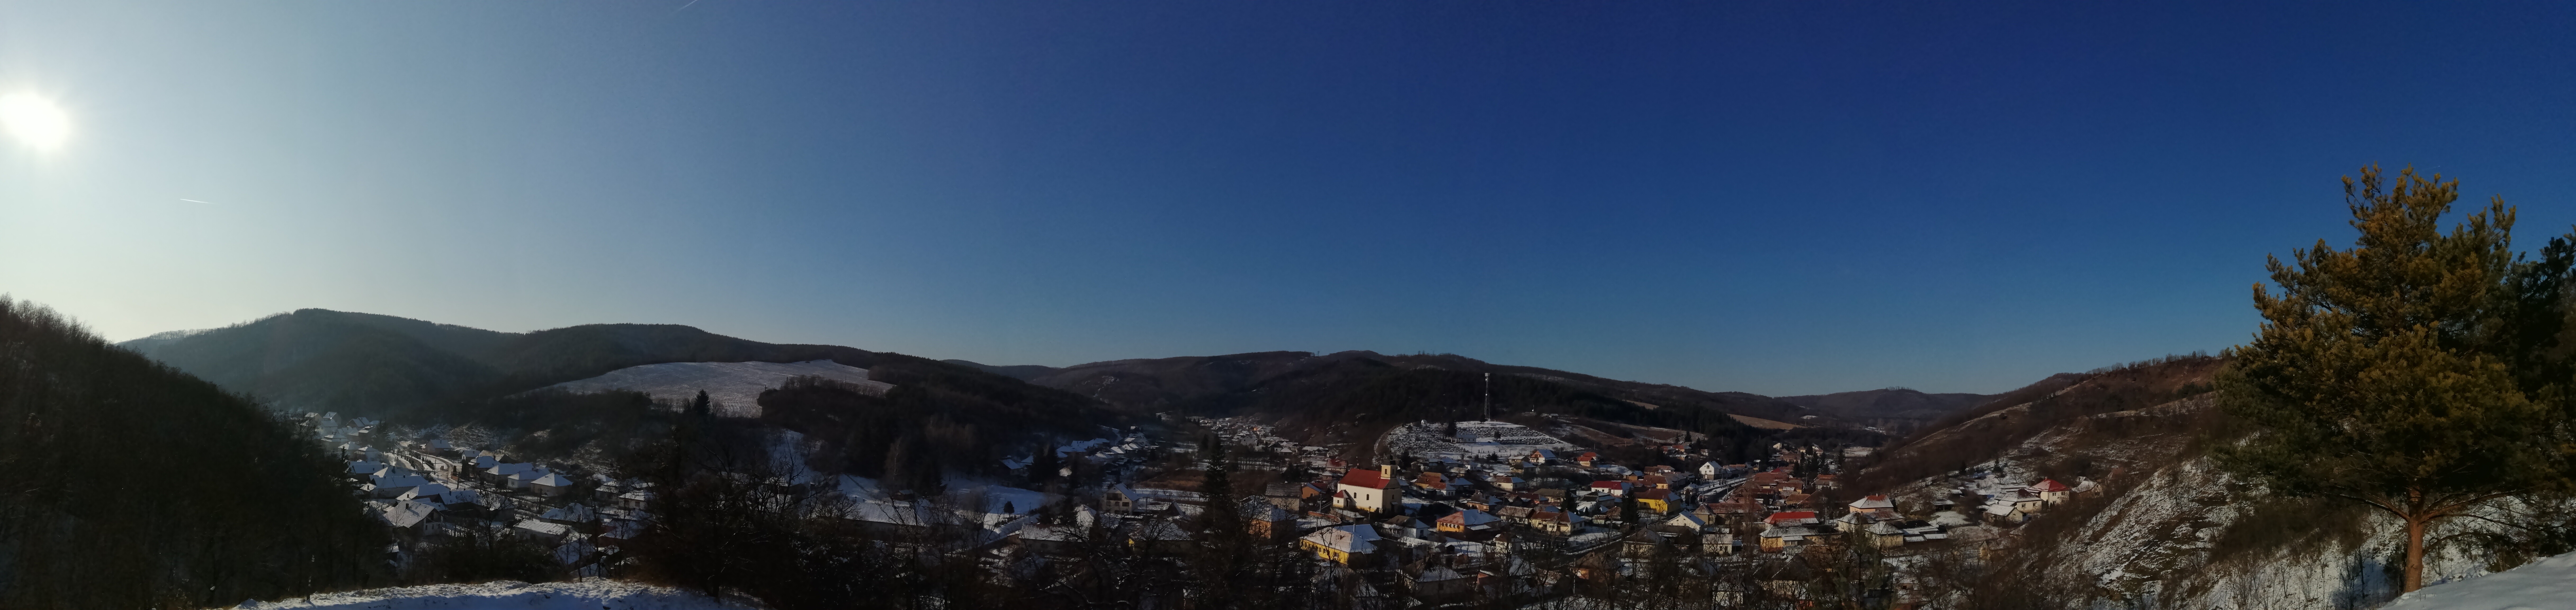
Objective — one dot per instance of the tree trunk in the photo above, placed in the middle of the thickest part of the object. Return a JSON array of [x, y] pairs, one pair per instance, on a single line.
[[2414, 555]]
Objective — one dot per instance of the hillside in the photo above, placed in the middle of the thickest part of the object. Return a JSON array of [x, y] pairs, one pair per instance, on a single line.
[[2162, 526], [1168, 383], [1023, 372], [1894, 409], [734, 387], [367, 364], [425, 375], [126, 484]]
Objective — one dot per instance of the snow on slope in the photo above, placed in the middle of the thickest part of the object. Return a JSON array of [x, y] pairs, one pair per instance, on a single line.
[[579, 595], [735, 386], [2548, 583]]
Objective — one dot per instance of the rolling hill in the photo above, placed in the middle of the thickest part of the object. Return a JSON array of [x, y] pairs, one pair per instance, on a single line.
[[384, 366], [1897, 410], [1168, 383]]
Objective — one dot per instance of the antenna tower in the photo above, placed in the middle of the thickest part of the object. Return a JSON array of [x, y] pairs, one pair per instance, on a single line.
[[1489, 397]]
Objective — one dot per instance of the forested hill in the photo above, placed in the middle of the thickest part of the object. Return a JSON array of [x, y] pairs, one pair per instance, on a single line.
[[1166, 383], [126, 484], [1895, 409], [367, 364]]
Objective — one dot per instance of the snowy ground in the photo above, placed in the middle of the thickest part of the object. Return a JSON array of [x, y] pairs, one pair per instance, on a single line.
[[1426, 440], [580, 595], [2548, 583], [735, 386]]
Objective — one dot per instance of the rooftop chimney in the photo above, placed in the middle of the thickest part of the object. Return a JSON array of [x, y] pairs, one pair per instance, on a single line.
[[1386, 470]]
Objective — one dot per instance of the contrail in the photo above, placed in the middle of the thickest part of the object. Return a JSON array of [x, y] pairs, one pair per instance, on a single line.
[[684, 7], [196, 201]]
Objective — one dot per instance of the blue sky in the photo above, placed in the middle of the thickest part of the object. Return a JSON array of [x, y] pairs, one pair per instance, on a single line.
[[1776, 198]]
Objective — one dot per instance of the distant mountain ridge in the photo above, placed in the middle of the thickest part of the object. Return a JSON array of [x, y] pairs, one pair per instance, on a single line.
[[358, 363], [1897, 409]]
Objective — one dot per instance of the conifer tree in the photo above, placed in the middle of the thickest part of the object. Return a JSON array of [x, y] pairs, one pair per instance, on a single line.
[[2405, 372]]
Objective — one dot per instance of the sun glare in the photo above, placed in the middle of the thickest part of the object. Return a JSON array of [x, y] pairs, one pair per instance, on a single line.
[[34, 120]]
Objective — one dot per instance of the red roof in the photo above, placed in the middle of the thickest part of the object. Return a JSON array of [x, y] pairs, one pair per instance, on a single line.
[[1609, 484], [1655, 494], [2050, 485], [1364, 478], [1789, 514]]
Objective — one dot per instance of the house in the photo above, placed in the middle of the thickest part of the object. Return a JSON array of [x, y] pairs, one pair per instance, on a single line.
[[406, 513], [1434, 484], [1781, 538], [551, 485], [573, 514], [2027, 501], [526, 479], [1717, 543], [636, 500], [1503, 482], [394, 486], [1367, 490], [1658, 500], [2050, 491], [1466, 521], [1346, 545], [1263, 519], [1515, 515], [1053, 540], [1791, 518], [1885, 534], [1694, 521], [1556, 522], [1118, 500], [1710, 470], [1615, 488], [1586, 459], [1158, 536], [1828, 481], [541, 531], [1437, 583], [500, 473], [1871, 503]]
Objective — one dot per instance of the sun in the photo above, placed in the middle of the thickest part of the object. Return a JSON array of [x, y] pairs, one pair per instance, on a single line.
[[34, 121]]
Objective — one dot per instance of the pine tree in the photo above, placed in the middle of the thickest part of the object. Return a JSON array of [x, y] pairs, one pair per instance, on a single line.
[[2403, 373]]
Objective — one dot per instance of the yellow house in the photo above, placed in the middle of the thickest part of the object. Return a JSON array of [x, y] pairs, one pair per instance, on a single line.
[[1658, 500], [1346, 545]]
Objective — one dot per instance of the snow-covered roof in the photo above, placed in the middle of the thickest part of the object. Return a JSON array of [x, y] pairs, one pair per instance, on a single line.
[[541, 527], [1872, 503], [552, 480], [406, 513], [573, 512], [1347, 538]]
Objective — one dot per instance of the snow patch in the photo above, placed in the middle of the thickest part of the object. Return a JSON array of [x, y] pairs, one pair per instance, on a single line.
[[584, 594], [735, 386], [2547, 583]]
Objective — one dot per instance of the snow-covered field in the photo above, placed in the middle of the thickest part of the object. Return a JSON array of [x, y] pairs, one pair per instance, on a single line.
[[1427, 440], [735, 386], [2548, 583], [585, 594]]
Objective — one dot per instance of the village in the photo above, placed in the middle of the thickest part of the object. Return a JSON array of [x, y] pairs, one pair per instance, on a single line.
[[1484, 512], [1509, 515]]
